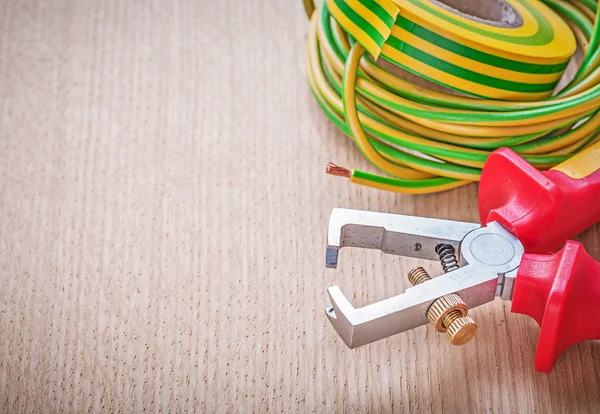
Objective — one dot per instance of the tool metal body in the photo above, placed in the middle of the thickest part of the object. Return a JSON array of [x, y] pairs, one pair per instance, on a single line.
[[489, 257], [499, 258]]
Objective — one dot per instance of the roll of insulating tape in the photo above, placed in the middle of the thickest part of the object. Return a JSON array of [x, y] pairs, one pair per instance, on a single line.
[[517, 51]]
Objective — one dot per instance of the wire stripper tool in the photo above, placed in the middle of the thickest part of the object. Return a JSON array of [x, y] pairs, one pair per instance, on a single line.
[[521, 252]]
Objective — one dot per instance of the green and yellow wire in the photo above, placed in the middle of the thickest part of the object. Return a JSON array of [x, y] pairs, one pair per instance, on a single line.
[[428, 141]]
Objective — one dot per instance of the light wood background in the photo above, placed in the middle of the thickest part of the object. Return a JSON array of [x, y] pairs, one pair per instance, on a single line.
[[163, 212]]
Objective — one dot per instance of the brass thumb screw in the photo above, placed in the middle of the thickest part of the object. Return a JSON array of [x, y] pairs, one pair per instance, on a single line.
[[448, 314]]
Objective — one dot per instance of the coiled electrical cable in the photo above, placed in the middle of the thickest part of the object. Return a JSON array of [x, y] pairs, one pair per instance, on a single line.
[[425, 140]]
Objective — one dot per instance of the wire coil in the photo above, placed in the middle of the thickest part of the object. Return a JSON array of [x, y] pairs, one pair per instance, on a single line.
[[428, 141]]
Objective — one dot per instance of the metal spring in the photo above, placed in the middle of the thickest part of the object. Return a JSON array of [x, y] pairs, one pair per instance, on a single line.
[[447, 257]]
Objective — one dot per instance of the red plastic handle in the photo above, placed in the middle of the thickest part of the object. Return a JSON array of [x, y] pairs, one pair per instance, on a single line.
[[543, 209], [562, 293]]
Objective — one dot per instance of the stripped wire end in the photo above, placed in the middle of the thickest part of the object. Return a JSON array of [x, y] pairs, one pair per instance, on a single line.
[[337, 170]]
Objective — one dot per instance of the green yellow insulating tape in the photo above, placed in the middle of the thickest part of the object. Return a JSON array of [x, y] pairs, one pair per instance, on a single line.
[[427, 140]]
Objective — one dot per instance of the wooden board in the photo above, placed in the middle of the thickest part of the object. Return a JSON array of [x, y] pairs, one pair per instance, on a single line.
[[163, 211]]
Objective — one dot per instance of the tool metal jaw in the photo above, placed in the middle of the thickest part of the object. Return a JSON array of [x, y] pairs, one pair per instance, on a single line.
[[489, 256]]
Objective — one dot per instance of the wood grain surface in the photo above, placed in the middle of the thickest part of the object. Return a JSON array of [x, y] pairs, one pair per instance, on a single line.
[[163, 212]]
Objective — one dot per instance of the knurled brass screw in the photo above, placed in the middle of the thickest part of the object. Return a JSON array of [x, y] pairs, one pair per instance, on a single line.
[[448, 314]]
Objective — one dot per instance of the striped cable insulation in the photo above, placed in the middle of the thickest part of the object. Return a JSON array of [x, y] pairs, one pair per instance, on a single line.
[[425, 140]]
